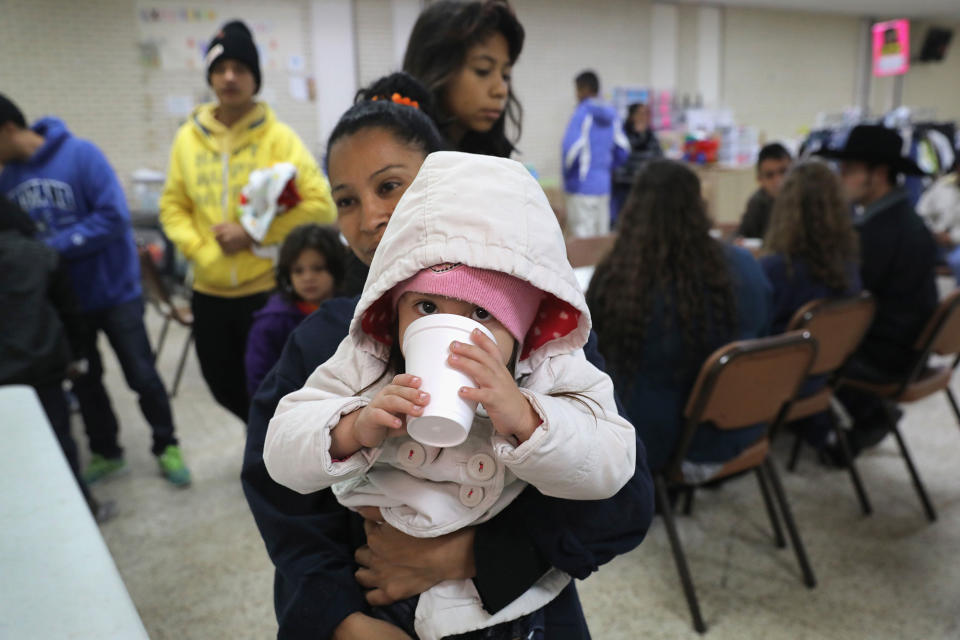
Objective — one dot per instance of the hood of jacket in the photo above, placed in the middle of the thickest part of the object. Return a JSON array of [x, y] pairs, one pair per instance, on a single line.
[[214, 134], [487, 213], [13, 218], [54, 133], [603, 113]]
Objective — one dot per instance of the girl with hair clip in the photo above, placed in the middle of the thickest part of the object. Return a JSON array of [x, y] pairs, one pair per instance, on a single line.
[[464, 53], [664, 298], [473, 236], [374, 154]]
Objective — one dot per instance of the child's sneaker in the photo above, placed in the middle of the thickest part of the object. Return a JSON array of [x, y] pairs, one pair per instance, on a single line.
[[101, 467], [173, 467]]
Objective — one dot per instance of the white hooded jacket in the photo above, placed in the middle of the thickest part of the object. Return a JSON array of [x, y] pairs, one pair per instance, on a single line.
[[486, 213]]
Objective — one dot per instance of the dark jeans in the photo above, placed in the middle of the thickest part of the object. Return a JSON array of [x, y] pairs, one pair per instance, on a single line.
[[55, 405], [220, 329], [873, 417], [124, 328]]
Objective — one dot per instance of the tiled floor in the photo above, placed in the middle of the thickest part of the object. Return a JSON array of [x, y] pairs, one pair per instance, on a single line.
[[195, 566]]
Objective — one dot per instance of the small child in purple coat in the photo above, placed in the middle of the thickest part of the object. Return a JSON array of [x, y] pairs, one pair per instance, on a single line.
[[310, 269]]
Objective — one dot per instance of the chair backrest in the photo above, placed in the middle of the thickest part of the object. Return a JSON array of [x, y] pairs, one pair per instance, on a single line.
[[942, 333], [838, 326], [586, 252], [745, 383], [749, 381]]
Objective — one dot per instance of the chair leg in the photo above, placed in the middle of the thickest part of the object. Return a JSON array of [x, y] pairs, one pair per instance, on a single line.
[[808, 577], [917, 483], [771, 510], [688, 501], [795, 453], [852, 468], [180, 365], [953, 404], [678, 557], [162, 338]]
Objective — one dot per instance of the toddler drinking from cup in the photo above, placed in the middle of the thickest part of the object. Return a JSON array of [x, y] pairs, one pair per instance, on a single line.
[[473, 251]]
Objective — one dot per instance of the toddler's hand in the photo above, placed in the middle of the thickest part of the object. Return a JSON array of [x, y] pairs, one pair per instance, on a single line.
[[509, 410], [386, 411]]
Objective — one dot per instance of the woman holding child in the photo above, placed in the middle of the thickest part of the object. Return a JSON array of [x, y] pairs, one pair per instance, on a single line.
[[375, 153]]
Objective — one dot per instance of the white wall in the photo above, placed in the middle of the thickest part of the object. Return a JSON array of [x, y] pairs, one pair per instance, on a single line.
[[62, 58], [334, 46], [565, 37], [782, 67], [81, 61], [375, 47], [689, 44]]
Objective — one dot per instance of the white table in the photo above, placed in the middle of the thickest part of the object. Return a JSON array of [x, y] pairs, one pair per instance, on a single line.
[[57, 579]]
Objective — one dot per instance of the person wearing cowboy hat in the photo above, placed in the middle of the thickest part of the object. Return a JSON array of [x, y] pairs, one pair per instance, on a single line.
[[898, 259]]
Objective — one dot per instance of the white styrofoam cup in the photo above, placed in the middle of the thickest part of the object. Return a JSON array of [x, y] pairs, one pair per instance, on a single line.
[[446, 420]]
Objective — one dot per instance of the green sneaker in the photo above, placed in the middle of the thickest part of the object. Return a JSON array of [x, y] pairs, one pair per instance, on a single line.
[[173, 467], [101, 467]]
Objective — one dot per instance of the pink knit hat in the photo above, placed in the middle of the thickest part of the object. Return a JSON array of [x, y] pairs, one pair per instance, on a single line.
[[512, 301]]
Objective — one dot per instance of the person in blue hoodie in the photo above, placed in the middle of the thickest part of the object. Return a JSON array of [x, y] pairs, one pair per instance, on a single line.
[[593, 146], [73, 195]]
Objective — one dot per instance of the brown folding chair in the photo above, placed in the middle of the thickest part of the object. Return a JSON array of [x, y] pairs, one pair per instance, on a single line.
[[838, 325], [742, 384], [941, 337], [158, 296], [586, 252]]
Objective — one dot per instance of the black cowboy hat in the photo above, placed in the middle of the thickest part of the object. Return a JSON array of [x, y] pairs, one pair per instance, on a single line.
[[875, 144]]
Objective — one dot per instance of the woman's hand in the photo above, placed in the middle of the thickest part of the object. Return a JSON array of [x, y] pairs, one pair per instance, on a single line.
[[394, 566], [388, 410], [359, 626], [509, 410]]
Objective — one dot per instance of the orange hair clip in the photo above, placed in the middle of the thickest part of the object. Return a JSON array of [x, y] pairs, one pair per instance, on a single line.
[[399, 99]]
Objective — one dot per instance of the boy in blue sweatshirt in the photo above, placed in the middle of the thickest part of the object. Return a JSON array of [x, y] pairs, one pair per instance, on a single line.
[[593, 146], [72, 194]]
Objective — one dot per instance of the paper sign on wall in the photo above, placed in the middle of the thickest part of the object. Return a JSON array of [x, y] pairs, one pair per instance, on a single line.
[[891, 48], [179, 106], [298, 89]]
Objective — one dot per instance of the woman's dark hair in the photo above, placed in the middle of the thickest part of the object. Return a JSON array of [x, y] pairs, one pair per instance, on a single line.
[[811, 222], [628, 121], [663, 252], [437, 50], [374, 107], [323, 240], [13, 217]]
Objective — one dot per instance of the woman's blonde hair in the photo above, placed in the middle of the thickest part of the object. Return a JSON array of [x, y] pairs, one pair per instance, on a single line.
[[811, 222]]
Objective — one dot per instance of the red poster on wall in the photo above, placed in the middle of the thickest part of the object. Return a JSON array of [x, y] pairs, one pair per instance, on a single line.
[[891, 48]]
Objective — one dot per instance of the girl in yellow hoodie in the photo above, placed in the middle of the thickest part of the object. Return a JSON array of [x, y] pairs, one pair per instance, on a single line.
[[211, 160]]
